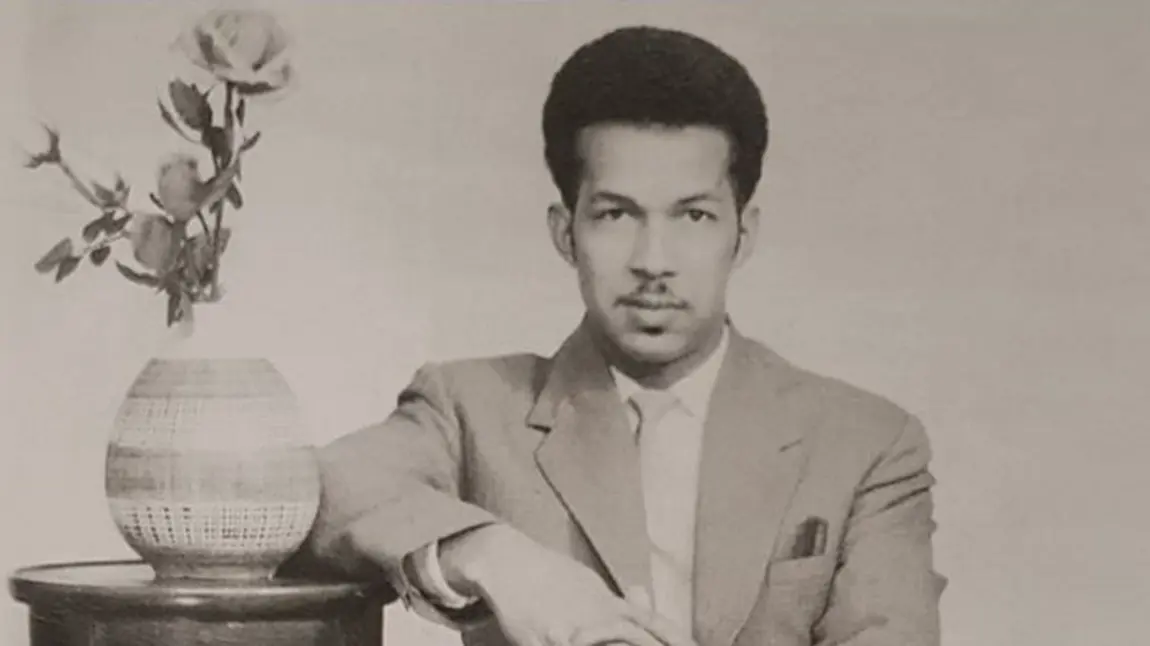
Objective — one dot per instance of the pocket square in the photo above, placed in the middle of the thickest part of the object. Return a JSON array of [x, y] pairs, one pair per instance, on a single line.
[[810, 538]]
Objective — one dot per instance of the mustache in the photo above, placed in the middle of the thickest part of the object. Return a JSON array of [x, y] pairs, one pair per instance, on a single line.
[[652, 297]]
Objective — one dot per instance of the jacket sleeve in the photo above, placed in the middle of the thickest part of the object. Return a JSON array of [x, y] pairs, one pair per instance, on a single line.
[[393, 488], [886, 590]]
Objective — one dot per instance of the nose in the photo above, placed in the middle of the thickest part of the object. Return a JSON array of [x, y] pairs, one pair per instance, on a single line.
[[649, 253]]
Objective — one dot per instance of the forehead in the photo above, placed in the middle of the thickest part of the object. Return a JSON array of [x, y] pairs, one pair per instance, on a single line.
[[655, 162]]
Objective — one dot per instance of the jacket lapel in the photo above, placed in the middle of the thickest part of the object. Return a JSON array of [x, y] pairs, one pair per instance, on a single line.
[[590, 459], [750, 466]]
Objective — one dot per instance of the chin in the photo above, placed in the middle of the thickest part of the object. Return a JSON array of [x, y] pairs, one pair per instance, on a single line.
[[652, 348]]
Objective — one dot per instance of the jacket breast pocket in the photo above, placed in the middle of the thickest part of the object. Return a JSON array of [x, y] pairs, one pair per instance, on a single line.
[[793, 600], [785, 572], [802, 580]]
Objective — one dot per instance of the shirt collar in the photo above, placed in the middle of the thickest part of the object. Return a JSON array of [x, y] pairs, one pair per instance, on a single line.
[[693, 391]]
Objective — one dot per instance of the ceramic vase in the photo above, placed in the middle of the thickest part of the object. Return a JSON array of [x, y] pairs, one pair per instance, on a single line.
[[210, 473]]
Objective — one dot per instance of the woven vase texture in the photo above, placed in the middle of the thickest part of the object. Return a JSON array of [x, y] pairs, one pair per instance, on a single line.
[[209, 471]]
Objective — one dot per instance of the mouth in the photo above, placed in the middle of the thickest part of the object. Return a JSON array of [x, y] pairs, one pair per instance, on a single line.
[[651, 317], [651, 304]]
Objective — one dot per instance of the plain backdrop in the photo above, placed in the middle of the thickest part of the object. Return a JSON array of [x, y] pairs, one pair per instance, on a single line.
[[955, 216]]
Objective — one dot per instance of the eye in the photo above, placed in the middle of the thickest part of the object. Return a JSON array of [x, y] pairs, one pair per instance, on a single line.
[[699, 215], [610, 214]]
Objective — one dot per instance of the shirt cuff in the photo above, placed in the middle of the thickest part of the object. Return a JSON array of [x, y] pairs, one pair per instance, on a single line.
[[431, 574]]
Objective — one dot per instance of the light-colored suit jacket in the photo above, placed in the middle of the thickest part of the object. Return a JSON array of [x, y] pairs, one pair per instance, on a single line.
[[543, 444]]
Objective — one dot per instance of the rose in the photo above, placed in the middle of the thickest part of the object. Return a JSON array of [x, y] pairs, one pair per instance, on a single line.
[[246, 50], [152, 241], [178, 191], [246, 47], [179, 188]]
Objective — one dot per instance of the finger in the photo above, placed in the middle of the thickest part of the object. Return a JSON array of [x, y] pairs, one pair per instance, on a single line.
[[639, 597], [555, 637], [661, 628], [642, 611], [621, 631]]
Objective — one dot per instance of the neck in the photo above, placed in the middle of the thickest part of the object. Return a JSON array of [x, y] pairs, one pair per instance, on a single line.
[[660, 375]]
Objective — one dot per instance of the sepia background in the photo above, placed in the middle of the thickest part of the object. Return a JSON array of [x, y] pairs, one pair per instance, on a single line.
[[956, 216]]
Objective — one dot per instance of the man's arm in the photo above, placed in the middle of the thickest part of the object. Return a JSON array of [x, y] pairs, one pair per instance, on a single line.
[[887, 591], [391, 492], [391, 489]]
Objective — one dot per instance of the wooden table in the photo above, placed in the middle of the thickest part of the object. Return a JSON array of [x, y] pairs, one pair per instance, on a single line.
[[117, 603]]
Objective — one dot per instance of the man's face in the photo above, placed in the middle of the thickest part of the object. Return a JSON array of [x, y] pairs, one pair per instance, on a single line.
[[654, 237]]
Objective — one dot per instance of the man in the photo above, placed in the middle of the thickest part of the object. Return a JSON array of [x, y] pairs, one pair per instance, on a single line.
[[662, 479]]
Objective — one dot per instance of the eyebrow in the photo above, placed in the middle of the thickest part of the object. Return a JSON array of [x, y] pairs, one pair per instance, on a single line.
[[705, 196], [617, 197]]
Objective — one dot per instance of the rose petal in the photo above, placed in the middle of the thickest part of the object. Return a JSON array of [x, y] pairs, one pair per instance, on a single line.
[[250, 35], [276, 46], [211, 49], [275, 70], [266, 84], [235, 75], [178, 184], [189, 47], [266, 80], [246, 47], [244, 36]]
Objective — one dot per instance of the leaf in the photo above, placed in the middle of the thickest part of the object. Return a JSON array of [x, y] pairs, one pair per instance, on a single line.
[[179, 305], [199, 257], [137, 277], [241, 110], [217, 141], [92, 229], [173, 307], [201, 251], [234, 196], [218, 186], [50, 156], [53, 141], [122, 190], [104, 195], [55, 255], [225, 235], [185, 305], [192, 106], [36, 161], [117, 225], [250, 142], [166, 115], [66, 267], [99, 255]]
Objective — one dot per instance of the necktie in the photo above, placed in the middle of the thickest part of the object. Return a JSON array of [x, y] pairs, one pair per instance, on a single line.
[[666, 491]]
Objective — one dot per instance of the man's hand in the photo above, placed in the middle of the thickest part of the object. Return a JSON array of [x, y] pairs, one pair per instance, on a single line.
[[542, 598]]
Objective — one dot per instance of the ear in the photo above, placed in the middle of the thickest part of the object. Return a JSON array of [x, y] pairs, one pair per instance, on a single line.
[[561, 223], [748, 233]]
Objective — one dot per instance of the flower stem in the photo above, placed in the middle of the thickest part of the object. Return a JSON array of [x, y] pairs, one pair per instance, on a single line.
[[79, 185], [105, 242], [204, 224], [219, 206]]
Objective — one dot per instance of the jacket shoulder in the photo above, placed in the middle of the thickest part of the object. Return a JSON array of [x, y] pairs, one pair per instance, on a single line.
[[521, 372], [841, 409]]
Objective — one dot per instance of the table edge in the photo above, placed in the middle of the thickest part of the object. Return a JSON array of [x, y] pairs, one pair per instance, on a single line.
[[193, 599]]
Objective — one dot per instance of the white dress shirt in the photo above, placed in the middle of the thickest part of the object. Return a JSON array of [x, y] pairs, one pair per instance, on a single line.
[[670, 485]]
